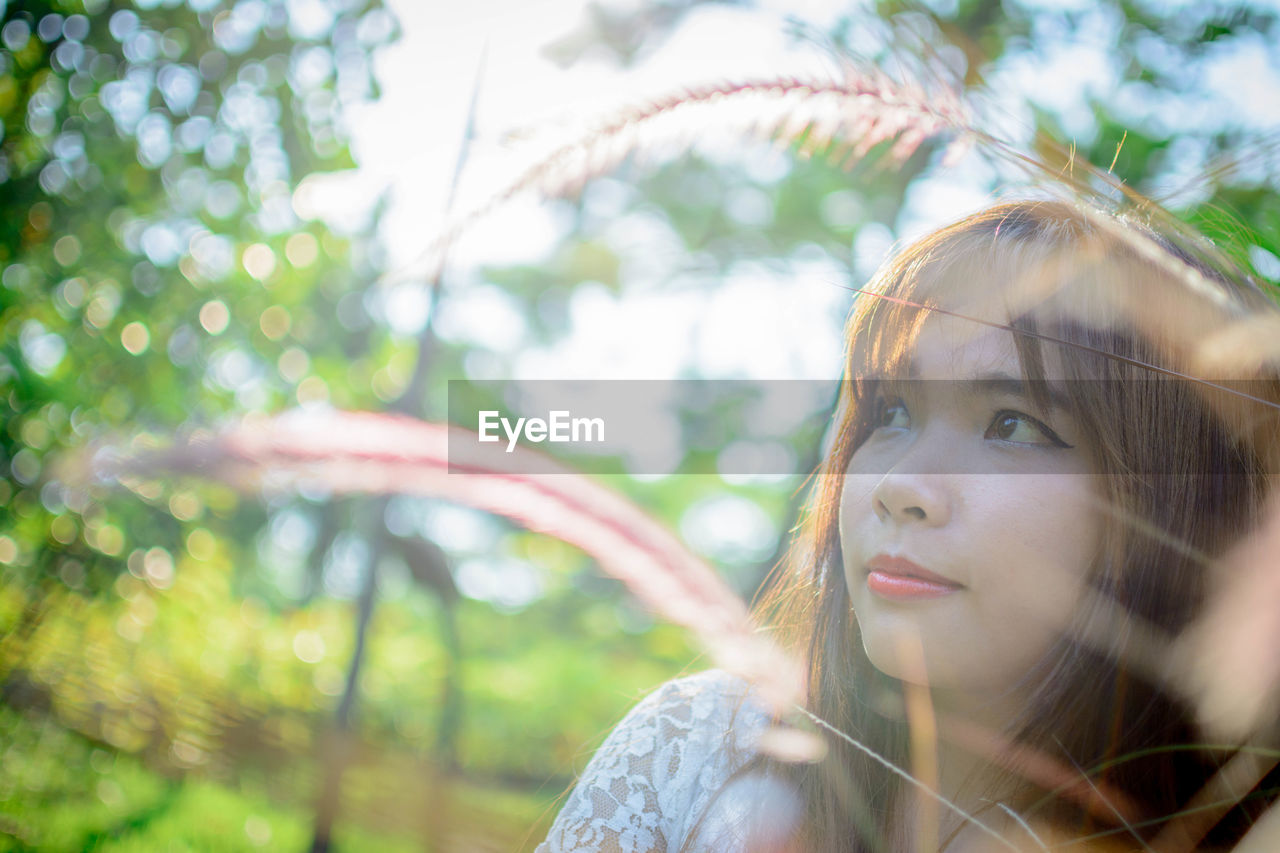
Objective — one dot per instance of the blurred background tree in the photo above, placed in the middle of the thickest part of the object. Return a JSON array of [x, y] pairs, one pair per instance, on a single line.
[[171, 657]]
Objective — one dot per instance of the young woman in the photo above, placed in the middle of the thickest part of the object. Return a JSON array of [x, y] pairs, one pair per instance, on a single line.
[[1031, 479]]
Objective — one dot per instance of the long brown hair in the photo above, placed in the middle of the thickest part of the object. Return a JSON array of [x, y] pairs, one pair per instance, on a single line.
[[1181, 479]]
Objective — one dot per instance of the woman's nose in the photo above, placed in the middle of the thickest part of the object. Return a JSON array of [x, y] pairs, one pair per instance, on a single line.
[[913, 498]]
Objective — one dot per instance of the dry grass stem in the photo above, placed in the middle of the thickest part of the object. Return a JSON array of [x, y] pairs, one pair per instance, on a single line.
[[1228, 662], [1263, 836], [1211, 803], [390, 454], [922, 724], [841, 117]]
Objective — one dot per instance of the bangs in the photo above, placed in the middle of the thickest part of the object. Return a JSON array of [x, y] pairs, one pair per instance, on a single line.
[[989, 277]]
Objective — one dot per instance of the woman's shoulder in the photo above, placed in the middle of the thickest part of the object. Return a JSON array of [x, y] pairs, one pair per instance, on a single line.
[[657, 769], [710, 697], [695, 729]]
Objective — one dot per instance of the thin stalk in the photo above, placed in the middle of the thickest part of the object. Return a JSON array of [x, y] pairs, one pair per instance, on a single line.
[[898, 771], [410, 401], [340, 744]]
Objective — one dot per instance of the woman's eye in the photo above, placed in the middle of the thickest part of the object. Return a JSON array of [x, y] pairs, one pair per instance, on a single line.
[[892, 414], [1022, 429]]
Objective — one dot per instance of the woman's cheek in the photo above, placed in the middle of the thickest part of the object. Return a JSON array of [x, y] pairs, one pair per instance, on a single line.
[[1041, 546], [857, 490]]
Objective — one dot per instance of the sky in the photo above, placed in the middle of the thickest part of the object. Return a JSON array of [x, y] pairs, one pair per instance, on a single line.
[[407, 146], [409, 138]]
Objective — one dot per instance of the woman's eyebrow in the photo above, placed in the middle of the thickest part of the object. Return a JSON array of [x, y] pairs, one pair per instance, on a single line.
[[1002, 384], [998, 385]]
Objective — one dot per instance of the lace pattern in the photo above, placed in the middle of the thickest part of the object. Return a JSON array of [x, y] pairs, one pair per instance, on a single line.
[[664, 767]]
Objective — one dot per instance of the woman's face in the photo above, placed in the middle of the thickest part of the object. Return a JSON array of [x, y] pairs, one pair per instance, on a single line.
[[968, 519]]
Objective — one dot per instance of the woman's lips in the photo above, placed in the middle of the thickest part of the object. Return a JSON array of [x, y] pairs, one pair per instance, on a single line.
[[899, 578]]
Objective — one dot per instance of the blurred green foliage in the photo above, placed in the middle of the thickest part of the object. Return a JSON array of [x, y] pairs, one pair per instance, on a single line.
[[170, 656]]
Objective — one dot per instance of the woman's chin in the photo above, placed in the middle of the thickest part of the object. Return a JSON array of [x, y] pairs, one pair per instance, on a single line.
[[956, 681]]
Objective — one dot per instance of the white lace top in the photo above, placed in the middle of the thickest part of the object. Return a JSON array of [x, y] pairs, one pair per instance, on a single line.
[[665, 767]]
